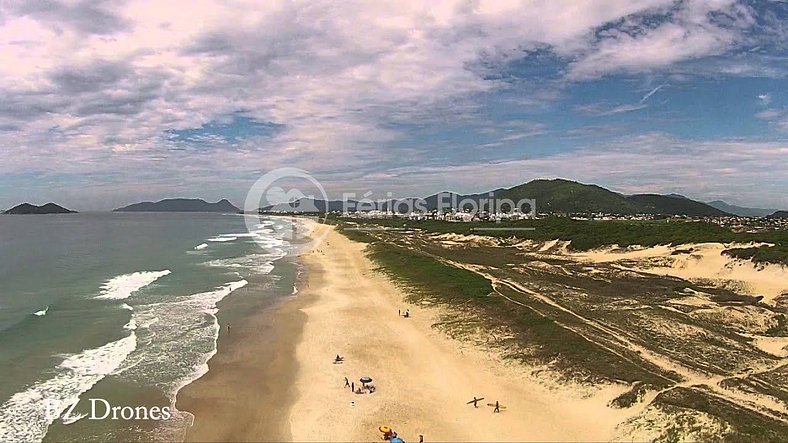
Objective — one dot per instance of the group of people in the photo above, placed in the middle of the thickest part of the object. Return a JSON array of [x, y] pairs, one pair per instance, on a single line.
[[369, 387]]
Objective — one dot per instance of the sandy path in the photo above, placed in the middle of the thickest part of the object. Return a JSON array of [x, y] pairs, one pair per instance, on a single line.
[[423, 378]]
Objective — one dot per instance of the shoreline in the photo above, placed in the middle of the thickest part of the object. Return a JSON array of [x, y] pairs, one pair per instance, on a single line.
[[273, 377], [244, 394]]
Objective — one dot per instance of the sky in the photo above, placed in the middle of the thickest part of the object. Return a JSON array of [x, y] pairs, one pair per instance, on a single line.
[[104, 103]]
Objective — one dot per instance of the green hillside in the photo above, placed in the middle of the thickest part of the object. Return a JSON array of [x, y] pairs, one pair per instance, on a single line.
[[559, 195]]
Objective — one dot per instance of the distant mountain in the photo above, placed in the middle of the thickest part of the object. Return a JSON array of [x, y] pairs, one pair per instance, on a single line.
[[49, 208], [670, 205], [779, 214], [552, 196], [180, 205], [740, 210], [566, 196]]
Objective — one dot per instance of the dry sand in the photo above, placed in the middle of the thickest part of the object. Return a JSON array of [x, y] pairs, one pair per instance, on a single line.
[[423, 378]]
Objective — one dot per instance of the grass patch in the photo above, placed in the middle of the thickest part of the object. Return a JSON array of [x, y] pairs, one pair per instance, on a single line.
[[521, 332], [777, 254], [747, 425], [433, 278], [590, 234]]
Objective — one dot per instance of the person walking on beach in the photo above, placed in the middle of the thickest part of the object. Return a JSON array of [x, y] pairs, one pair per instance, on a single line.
[[497, 407], [475, 401], [353, 386], [347, 382]]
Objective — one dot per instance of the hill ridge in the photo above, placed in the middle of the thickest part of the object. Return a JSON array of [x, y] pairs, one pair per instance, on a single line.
[[180, 205]]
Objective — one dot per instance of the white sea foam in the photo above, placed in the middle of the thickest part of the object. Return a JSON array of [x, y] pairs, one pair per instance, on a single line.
[[201, 246], [181, 337], [24, 416], [208, 301], [42, 312], [220, 239], [122, 286], [256, 263]]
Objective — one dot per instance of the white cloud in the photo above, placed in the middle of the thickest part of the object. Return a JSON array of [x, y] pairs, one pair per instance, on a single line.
[[603, 109], [689, 32], [777, 117], [93, 86]]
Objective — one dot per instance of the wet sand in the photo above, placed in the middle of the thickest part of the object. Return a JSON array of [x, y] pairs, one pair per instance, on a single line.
[[246, 393]]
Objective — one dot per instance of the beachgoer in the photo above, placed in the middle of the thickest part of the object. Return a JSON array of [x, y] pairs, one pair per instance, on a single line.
[[475, 401], [497, 407], [399, 312], [352, 386], [421, 438], [347, 382]]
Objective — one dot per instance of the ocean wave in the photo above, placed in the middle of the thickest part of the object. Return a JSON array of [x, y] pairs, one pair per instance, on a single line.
[[24, 417], [221, 239], [208, 302], [181, 337], [201, 246], [256, 263], [122, 286], [42, 312]]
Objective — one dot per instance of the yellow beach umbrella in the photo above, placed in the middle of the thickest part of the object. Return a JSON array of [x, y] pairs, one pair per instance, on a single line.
[[384, 429]]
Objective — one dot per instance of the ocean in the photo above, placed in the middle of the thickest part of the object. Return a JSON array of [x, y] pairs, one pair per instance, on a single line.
[[122, 307]]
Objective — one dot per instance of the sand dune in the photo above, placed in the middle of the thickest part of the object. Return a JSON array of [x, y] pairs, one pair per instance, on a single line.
[[423, 378], [706, 262]]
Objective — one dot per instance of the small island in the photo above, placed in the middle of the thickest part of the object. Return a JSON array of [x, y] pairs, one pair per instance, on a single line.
[[180, 205], [28, 209]]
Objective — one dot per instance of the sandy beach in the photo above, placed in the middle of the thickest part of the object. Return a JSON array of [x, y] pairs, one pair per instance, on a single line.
[[423, 378], [274, 377]]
